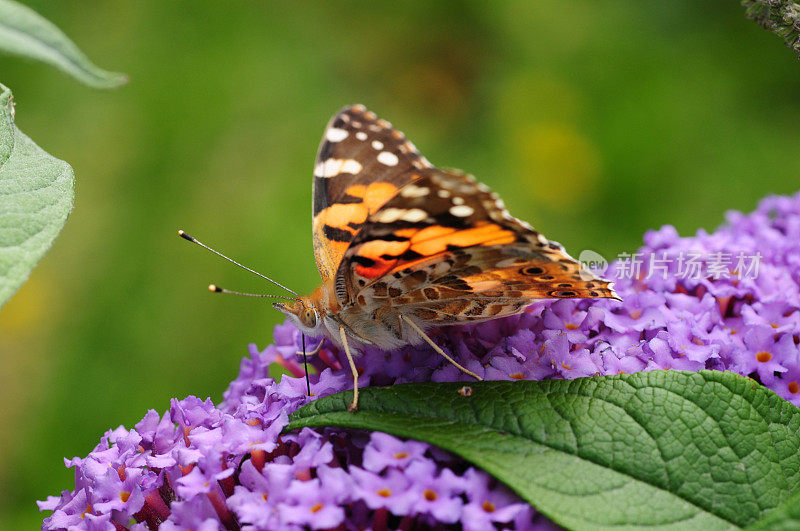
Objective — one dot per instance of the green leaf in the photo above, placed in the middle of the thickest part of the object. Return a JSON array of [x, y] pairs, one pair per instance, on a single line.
[[784, 518], [662, 449], [36, 193], [24, 32]]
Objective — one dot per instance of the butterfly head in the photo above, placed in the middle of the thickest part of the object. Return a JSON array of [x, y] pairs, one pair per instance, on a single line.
[[303, 314]]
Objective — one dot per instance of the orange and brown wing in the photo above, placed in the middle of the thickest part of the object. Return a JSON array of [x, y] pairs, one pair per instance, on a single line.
[[362, 162], [481, 283], [446, 237]]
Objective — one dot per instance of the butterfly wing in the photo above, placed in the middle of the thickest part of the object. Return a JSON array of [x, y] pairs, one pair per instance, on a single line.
[[482, 283], [446, 249], [361, 163]]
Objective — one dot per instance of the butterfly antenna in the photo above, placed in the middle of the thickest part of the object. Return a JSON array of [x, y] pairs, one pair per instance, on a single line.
[[216, 289], [192, 239], [305, 365]]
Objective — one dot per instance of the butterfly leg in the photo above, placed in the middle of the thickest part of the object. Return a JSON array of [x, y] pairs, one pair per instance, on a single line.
[[313, 352], [354, 404], [437, 348]]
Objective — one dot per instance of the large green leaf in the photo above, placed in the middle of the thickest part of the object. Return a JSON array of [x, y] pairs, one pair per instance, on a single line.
[[784, 518], [25, 32], [662, 449], [36, 191]]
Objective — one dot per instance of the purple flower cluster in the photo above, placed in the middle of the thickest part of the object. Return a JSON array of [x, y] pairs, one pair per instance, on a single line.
[[204, 467]]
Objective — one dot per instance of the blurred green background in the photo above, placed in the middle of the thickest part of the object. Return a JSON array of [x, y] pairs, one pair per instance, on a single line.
[[593, 120]]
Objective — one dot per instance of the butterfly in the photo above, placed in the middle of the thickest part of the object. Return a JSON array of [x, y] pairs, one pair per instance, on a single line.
[[403, 247]]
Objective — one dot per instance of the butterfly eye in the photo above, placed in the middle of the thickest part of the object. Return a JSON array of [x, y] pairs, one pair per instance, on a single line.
[[310, 317]]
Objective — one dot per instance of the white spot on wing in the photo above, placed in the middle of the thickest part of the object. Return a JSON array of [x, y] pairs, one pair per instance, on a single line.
[[412, 190], [387, 158], [443, 193], [334, 134], [377, 145], [333, 167], [390, 215], [462, 211], [361, 135], [413, 215], [458, 200], [351, 166]]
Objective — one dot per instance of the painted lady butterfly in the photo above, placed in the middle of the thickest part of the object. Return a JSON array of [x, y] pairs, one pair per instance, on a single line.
[[403, 247]]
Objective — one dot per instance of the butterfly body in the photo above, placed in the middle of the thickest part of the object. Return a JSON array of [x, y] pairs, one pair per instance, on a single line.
[[376, 324], [403, 247]]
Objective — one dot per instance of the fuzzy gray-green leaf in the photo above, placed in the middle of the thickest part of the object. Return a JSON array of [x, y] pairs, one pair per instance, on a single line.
[[36, 193], [24, 32], [661, 450]]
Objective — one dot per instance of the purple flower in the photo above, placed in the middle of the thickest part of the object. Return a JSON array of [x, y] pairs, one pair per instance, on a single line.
[[779, 315], [194, 513], [768, 353], [390, 490], [487, 505], [788, 385], [313, 505], [436, 493], [206, 466], [385, 451]]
